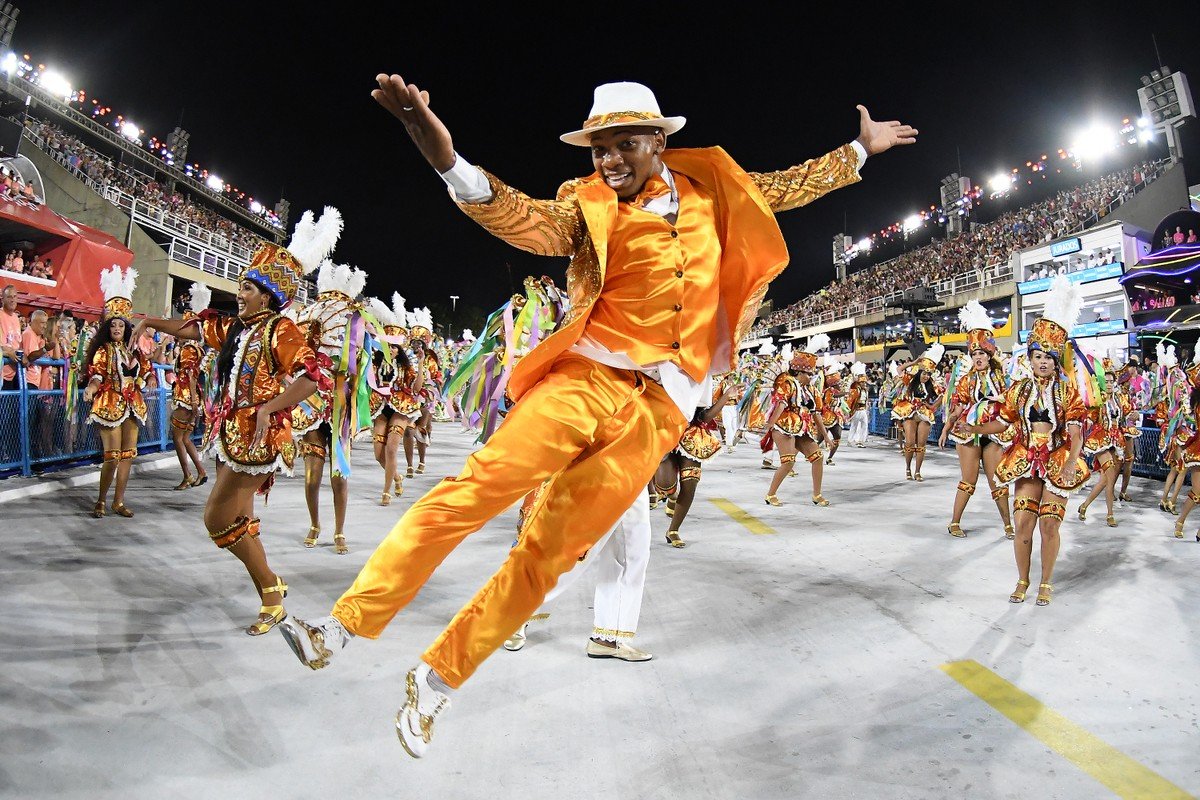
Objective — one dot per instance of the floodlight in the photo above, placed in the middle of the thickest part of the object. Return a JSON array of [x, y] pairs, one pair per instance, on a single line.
[[9, 64], [1094, 142], [911, 223], [130, 130], [1000, 182], [864, 245], [55, 84], [215, 183]]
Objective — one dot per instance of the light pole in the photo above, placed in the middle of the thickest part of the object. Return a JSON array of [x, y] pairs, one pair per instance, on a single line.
[[453, 308]]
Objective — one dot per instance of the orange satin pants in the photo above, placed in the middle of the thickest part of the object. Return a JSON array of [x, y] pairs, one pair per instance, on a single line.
[[599, 432]]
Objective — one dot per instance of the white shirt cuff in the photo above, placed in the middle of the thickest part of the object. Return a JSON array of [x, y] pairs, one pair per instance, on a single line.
[[466, 182], [861, 152]]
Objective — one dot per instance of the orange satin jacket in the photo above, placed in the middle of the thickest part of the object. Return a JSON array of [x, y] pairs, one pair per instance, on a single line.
[[625, 263]]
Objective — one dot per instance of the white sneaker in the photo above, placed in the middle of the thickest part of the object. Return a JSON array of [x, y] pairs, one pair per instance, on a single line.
[[315, 644], [517, 640], [414, 720]]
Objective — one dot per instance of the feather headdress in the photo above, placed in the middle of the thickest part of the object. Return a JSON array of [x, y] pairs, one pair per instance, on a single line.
[[974, 319], [117, 287], [1050, 333], [342, 278], [280, 270]]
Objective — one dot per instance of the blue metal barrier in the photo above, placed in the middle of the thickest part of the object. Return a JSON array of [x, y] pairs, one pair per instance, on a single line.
[[36, 436]]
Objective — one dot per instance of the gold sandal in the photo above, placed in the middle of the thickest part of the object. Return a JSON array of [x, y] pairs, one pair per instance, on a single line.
[[819, 500], [421, 468], [339, 544], [670, 507], [1010, 532], [1179, 529], [399, 490], [772, 500], [313, 532], [275, 614], [385, 500], [1083, 511], [122, 509], [98, 510], [917, 477], [1043, 595], [1111, 520], [908, 475], [1019, 595], [409, 472], [674, 540], [186, 483], [955, 529]]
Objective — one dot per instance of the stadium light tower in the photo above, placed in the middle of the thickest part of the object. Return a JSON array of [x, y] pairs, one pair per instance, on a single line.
[[953, 189], [8, 24], [177, 145], [1166, 102], [842, 246]]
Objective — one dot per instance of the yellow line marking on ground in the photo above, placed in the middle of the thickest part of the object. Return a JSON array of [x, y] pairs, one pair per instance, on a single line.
[[739, 515], [1120, 773]]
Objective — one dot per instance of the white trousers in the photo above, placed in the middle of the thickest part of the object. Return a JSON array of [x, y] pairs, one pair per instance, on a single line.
[[729, 418], [858, 427], [619, 562]]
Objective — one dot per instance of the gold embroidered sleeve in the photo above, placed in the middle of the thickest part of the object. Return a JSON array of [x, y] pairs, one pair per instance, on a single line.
[[800, 185], [541, 227]]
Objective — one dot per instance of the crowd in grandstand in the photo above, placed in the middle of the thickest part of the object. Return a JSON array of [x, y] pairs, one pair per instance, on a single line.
[[101, 170], [983, 250], [31, 264]]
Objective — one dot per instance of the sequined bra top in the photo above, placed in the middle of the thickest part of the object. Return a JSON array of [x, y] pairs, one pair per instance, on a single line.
[[1039, 415]]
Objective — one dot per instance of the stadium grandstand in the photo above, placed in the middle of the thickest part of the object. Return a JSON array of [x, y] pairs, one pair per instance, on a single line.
[[867, 307], [181, 223]]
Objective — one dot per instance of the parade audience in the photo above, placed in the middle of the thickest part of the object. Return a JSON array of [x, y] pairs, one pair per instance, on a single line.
[[984, 250], [101, 170]]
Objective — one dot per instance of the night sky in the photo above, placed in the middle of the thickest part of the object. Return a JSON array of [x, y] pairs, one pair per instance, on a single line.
[[277, 103]]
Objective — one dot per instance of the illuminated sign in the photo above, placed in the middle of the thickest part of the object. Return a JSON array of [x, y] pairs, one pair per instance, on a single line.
[[1066, 246], [1090, 329], [1082, 276]]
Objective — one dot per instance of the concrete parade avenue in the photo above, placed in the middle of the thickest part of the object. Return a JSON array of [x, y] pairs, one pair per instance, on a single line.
[[854, 651]]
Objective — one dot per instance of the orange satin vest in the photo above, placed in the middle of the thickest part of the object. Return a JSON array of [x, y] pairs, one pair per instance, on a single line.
[[660, 295]]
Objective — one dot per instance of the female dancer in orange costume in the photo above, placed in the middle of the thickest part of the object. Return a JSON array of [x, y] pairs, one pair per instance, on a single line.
[[976, 397], [795, 421], [1043, 460], [116, 376]]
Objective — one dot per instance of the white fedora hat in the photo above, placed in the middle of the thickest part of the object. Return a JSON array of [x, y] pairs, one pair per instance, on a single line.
[[621, 105]]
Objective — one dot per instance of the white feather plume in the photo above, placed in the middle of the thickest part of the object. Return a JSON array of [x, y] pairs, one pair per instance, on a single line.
[[1064, 301], [786, 352], [467, 335], [421, 317], [114, 284], [766, 349], [381, 311], [398, 309], [935, 353], [817, 343], [340, 278], [314, 239], [893, 369], [973, 316], [1166, 355], [200, 297], [858, 368]]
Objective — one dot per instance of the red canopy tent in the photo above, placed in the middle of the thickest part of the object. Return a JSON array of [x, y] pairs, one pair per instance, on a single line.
[[78, 253]]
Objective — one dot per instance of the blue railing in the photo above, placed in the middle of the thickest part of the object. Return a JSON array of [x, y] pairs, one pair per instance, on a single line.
[[35, 435], [1147, 462]]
